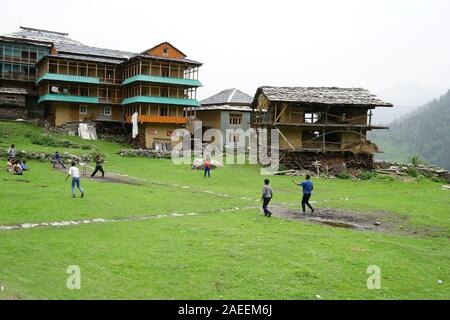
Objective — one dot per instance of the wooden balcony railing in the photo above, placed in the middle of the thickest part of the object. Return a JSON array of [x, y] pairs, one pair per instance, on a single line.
[[19, 59], [159, 119], [110, 100], [17, 76]]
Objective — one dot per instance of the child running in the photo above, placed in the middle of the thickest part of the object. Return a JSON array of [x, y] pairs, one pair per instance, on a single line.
[[98, 167], [308, 188], [75, 173], [267, 195]]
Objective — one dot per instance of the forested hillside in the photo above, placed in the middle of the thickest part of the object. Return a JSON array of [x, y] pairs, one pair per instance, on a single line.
[[424, 132]]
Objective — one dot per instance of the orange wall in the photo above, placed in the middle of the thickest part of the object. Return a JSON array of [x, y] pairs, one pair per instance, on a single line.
[[173, 52]]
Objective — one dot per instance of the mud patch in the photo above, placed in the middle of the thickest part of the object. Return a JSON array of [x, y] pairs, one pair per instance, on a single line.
[[336, 218]]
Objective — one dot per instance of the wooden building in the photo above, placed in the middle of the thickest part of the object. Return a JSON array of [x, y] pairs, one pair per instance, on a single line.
[[73, 82], [318, 120], [229, 109], [19, 53], [159, 84]]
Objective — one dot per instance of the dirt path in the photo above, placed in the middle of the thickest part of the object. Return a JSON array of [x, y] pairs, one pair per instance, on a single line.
[[110, 177]]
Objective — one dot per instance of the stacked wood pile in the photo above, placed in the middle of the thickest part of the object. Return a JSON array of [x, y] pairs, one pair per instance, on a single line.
[[330, 162], [391, 168]]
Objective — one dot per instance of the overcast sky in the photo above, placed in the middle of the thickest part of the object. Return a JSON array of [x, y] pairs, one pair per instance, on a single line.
[[374, 44]]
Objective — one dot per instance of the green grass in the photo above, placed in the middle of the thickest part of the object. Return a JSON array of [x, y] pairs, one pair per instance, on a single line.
[[213, 255]]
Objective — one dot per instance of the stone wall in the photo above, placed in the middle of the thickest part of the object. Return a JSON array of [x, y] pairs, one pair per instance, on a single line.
[[31, 111]]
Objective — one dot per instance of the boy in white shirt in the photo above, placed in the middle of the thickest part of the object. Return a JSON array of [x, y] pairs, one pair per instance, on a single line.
[[75, 173]]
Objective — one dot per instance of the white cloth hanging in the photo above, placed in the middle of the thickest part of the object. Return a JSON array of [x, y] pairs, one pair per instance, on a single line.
[[134, 121]]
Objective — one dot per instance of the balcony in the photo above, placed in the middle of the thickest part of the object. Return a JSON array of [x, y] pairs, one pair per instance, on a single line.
[[163, 80], [19, 59], [159, 119], [68, 78], [162, 100], [17, 76], [68, 98]]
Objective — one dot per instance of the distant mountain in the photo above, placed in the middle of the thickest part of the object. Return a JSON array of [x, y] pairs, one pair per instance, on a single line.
[[406, 97], [424, 132]]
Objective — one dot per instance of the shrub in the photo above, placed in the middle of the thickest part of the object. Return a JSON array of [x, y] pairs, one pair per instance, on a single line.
[[367, 175], [412, 172], [417, 161], [44, 140], [439, 179], [87, 147], [344, 175], [96, 153]]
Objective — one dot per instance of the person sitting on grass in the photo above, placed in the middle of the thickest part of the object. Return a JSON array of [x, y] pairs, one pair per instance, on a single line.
[[57, 160], [24, 165], [12, 151], [308, 188], [267, 195], [10, 165], [98, 167], [17, 169], [75, 173]]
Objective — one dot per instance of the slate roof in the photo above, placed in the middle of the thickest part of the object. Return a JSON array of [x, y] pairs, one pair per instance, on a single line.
[[51, 37], [93, 51], [69, 48], [19, 91], [85, 58], [322, 95], [228, 97]]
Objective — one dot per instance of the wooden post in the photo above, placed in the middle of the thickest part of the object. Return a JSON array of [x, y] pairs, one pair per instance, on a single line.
[[324, 141]]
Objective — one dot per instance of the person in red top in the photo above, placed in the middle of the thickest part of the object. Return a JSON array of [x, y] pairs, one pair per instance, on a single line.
[[208, 168]]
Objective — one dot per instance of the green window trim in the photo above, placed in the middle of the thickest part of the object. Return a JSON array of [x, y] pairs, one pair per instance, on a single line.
[[165, 80], [162, 100], [68, 78], [68, 98]]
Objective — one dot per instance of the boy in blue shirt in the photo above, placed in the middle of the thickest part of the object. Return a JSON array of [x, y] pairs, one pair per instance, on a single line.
[[308, 188], [58, 160]]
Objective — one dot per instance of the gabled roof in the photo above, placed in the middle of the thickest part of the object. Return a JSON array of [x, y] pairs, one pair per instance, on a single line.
[[321, 95], [229, 97], [149, 51]]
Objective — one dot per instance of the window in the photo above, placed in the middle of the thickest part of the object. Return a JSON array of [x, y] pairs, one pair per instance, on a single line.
[[165, 73], [312, 117], [236, 119], [83, 109], [107, 111], [25, 54], [165, 51], [164, 92], [164, 111], [84, 92]]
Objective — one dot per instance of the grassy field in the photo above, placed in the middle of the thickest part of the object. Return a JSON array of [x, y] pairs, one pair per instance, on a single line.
[[218, 253]]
